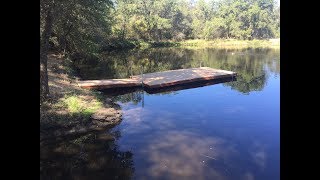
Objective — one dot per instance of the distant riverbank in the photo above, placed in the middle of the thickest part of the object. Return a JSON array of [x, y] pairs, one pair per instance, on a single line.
[[232, 43], [196, 43]]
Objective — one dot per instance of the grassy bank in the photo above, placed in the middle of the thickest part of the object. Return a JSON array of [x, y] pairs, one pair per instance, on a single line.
[[70, 109], [197, 43], [231, 43]]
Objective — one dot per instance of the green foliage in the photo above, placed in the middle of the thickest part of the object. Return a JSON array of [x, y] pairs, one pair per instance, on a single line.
[[231, 44], [179, 20], [216, 28], [82, 26], [240, 19], [78, 25]]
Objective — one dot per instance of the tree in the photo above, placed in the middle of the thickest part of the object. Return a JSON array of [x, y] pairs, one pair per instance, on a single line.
[[72, 27], [82, 25], [202, 12], [181, 21], [205, 19], [215, 28], [124, 10], [46, 9]]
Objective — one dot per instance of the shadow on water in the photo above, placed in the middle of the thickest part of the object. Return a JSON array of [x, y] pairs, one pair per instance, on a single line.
[[129, 90], [189, 85], [87, 156]]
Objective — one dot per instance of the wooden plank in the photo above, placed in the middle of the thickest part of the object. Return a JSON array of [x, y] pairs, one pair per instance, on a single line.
[[109, 83], [182, 76]]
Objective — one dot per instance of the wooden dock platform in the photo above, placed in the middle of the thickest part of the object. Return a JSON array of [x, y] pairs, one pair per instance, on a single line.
[[161, 79]]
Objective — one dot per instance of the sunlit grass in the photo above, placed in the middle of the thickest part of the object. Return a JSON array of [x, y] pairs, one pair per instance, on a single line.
[[144, 45], [81, 104], [200, 43], [217, 43], [231, 43]]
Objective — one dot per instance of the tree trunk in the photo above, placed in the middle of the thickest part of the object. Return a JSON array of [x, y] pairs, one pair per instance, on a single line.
[[44, 48]]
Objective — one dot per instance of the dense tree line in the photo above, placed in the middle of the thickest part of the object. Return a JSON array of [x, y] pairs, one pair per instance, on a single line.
[[86, 26], [187, 19]]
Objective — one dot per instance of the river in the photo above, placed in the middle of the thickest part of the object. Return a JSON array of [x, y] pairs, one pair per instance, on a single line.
[[223, 131]]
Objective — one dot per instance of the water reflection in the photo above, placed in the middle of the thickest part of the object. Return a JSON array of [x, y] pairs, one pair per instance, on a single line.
[[250, 64], [172, 145], [226, 131], [186, 155], [87, 156], [135, 94]]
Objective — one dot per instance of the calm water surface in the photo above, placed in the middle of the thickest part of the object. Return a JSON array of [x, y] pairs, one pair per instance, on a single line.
[[223, 131]]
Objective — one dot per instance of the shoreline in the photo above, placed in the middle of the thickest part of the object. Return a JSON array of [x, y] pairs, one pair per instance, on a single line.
[[232, 43], [70, 109], [195, 43]]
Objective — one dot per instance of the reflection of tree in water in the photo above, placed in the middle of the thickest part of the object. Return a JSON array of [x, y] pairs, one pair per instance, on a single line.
[[89, 156], [123, 64], [134, 97], [137, 96], [248, 63], [255, 84]]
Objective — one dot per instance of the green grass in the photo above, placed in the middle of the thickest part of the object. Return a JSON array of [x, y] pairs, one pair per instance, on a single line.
[[77, 104], [217, 43], [196, 43], [231, 43]]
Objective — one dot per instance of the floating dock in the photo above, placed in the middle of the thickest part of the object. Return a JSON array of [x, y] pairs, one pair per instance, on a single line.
[[161, 79]]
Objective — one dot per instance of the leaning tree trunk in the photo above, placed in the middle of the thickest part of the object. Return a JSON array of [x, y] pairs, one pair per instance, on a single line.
[[44, 48]]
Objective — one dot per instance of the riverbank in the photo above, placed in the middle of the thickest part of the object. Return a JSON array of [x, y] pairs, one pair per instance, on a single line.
[[231, 43], [195, 43], [71, 109]]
